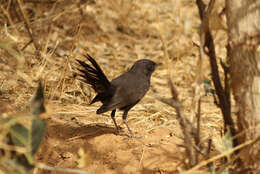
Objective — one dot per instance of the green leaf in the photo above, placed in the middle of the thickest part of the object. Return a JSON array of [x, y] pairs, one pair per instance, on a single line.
[[37, 102], [38, 130], [225, 144], [19, 135]]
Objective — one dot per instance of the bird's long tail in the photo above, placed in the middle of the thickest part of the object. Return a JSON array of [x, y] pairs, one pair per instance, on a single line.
[[94, 76]]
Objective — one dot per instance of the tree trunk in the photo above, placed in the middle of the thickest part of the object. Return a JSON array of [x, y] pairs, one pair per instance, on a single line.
[[243, 19]]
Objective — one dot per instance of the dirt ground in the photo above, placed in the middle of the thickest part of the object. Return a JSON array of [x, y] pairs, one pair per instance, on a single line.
[[157, 151], [116, 34]]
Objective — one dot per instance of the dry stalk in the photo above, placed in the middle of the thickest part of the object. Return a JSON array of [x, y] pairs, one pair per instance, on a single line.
[[67, 65], [6, 13], [66, 170], [199, 68], [12, 148], [8, 46], [228, 152], [186, 126], [198, 80], [123, 8], [191, 134], [55, 17], [224, 100], [164, 46], [28, 27], [197, 135], [61, 80], [75, 39]]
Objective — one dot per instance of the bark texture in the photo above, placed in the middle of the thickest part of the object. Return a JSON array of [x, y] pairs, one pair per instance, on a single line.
[[243, 19]]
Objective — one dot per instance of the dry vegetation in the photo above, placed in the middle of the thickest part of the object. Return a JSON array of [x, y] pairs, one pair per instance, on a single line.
[[41, 40]]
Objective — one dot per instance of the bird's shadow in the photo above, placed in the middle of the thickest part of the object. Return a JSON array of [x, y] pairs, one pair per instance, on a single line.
[[72, 131]]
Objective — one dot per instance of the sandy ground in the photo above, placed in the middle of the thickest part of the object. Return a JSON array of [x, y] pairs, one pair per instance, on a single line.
[[106, 152], [76, 141]]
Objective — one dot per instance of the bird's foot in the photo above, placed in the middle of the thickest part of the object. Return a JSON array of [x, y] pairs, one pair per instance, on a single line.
[[132, 137], [136, 137], [118, 129]]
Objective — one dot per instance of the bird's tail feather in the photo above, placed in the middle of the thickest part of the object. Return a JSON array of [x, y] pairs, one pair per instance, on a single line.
[[93, 75]]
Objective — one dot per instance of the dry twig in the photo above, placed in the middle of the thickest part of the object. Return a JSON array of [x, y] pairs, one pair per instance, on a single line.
[[224, 100], [28, 27], [186, 126]]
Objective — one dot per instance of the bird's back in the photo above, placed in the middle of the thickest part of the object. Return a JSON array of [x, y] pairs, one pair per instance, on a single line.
[[128, 88]]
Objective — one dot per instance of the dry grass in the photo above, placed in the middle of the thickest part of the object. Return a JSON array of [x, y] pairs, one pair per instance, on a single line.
[[116, 33]]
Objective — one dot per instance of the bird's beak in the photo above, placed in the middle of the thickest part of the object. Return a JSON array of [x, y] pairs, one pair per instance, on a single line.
[[158, 64]]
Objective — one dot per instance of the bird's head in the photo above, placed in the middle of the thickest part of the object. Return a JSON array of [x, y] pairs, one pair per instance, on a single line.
[[144, 66]]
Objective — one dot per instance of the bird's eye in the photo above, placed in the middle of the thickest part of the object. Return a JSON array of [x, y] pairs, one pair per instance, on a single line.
[[150, 67]]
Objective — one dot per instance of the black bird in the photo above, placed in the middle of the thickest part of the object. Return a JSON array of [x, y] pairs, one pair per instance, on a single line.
[[123, 92]]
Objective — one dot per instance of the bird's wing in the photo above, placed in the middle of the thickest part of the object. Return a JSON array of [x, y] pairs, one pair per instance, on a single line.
[[125, 95], [93, 75]]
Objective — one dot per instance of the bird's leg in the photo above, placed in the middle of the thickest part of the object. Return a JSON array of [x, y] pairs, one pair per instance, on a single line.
[[113, 113], [125, 122]]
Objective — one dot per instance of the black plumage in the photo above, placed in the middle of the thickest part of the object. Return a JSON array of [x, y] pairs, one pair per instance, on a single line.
[[123, 92]]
